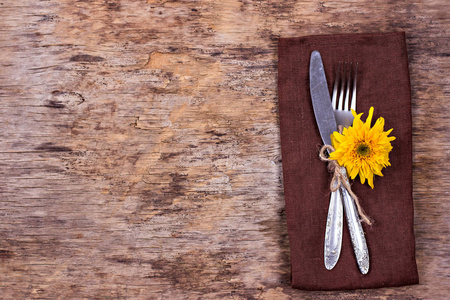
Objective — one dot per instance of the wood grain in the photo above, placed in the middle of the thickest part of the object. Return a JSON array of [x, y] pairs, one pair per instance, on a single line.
[[140, 153]]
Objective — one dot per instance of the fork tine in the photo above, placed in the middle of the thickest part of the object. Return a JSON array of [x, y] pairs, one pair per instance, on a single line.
[[341, 94], [353, 105], [335, 88], [348, 81]]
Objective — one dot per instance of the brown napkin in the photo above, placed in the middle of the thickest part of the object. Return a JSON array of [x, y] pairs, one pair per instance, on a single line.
[[383, 82]]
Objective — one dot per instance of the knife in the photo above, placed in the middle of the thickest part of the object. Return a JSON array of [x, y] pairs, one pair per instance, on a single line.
[[326, 122]]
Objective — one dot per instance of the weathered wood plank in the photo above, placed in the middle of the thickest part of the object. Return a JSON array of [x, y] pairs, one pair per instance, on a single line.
[[140, 149]]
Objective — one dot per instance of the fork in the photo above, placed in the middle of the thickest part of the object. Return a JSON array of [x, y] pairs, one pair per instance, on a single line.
[[333, 233], [342, 113]]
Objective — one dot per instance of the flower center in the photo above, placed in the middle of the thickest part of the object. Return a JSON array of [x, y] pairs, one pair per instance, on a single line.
[[363, 149]]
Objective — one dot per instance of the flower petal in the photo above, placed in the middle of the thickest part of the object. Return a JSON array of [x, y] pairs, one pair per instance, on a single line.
[[375, 142]]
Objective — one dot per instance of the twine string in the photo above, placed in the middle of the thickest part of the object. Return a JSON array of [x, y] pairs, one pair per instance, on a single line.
[[339, 179]]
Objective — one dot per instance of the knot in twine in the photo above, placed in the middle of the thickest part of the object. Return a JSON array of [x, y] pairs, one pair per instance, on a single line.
[[340, 179]]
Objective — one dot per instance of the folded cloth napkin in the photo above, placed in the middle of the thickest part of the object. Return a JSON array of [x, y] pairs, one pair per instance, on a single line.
[[383, 82]]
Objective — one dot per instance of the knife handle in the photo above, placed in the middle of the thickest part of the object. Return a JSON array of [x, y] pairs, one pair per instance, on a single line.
[[333, 232], [355, 228]]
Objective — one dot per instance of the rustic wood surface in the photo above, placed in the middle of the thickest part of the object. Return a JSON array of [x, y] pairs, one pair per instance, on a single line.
[[140, 153]]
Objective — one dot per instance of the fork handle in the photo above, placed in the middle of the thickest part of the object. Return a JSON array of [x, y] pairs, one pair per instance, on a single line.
[[355, 228]]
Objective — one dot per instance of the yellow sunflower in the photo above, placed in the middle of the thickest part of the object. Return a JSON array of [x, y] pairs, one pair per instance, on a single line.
[[363, 150]]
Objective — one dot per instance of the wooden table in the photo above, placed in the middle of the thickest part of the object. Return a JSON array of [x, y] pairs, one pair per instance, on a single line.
[[140, 151]]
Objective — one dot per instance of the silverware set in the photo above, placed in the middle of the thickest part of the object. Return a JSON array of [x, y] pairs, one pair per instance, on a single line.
[[331, 113]]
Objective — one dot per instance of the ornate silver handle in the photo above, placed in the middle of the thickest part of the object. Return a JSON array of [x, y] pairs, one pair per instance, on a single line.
[[356, 231], [333, 232]]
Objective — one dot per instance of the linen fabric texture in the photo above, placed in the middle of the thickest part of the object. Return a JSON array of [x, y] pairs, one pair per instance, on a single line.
[[383, 82]]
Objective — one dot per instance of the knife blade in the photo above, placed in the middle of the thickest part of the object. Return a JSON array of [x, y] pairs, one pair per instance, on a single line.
[[323, 111], [325, 119]]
